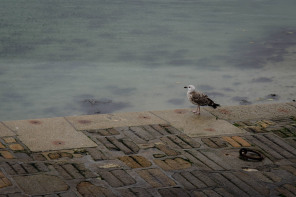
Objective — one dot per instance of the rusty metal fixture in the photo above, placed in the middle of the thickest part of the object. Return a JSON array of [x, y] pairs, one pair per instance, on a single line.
[[35, 122], [253, 156]]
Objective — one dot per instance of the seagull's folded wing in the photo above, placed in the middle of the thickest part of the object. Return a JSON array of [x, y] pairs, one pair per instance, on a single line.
[[199, 98]]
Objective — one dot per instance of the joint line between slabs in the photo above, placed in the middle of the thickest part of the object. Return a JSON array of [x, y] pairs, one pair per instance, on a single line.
[[71, 125], [160, 117], [9, 128]]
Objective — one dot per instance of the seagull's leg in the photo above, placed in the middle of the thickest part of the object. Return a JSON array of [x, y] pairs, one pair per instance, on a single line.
[[198, 109], [194, 111]]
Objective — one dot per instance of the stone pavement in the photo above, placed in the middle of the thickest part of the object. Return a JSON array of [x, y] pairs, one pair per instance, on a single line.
[[159, 153]]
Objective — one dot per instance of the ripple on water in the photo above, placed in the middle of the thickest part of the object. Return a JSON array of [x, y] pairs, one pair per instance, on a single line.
[[176, 101], [262, 80]]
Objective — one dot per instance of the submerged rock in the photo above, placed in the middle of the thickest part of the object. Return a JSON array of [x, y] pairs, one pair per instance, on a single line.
[[272, 97], [245, 102], [101, 106]]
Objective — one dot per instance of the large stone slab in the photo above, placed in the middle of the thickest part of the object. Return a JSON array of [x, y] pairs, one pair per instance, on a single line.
[[193, 125], [248, 112], [103, 121], [49, 134], [4, 131], [41, 184]]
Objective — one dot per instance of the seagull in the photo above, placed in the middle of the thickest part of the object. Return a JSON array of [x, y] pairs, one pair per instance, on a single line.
[[199, 99]]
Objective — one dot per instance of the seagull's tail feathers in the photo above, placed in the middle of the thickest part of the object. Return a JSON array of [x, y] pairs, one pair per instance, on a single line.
[[215, 105]]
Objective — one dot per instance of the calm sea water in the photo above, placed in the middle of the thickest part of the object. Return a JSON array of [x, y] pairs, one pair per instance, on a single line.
[[74, 57]]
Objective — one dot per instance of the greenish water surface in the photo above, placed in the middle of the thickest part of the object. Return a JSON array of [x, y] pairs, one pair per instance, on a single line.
[[74, 57]]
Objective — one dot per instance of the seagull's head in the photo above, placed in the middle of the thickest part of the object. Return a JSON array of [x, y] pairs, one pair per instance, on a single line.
[[190, 88]]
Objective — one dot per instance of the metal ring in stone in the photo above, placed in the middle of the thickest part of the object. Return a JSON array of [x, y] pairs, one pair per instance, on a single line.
[[254, 156]]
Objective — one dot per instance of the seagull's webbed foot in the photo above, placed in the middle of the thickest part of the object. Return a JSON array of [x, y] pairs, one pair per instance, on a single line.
[[196, 112]]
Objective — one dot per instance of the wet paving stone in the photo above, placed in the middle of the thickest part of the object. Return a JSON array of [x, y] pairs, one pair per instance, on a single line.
[[14, 194], [4, 182], [58, 155], [156, 178], [12, 148], [223, 192], [16, 147], [104, 132], [73, 171], [135, 161], [242, 185], [180, 141], [249, 180], [98, 154], [9, 140], [209, 192], [205, 160], [290, 168], [214, 142], [236, 141], [174, 192], [194, 180], [135, 192], [6, 154], [283, 127], [86, 188], [287, 190], [123, 144], [38, 157], [226, 141], [117, 178], [2, 146], [176, 163], [166, 149], [16, 168], [229, 185], [68, 194], [41, 184], [142, 133], [154, 160], [275, 147]]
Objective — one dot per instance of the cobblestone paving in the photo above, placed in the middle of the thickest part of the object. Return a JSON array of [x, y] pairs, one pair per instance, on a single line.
[[156, 160]]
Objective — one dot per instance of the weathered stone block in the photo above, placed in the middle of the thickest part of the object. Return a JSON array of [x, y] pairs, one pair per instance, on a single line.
[[156, 178], [135, 161], [41, 184], [173, 163], [86, 188]]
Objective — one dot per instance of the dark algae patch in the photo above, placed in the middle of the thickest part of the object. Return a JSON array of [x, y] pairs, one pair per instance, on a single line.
[[93, 106]]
